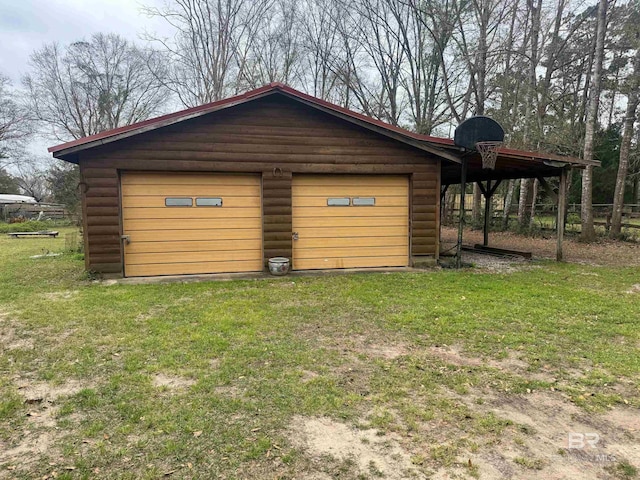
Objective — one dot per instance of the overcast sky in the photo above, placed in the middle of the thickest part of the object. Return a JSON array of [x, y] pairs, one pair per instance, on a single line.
[[25, 25]]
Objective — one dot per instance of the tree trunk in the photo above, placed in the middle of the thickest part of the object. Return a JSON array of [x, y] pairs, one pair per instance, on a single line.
[[586, 208], [534, 195], [625, 147], [507, 204], [522, 203]]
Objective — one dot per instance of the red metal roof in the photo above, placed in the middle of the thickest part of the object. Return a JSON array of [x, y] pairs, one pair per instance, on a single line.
[[446, 143]]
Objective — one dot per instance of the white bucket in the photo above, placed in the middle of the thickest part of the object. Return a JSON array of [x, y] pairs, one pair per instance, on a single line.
[[279, 265]]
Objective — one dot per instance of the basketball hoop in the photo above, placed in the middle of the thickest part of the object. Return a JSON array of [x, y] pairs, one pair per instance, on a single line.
[[489, 153]]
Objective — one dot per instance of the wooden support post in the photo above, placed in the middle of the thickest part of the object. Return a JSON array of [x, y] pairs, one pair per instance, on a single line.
[[488, 195], [562, 206], [463, 187]]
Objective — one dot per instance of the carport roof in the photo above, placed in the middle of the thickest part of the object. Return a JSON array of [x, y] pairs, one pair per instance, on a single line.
[[511, 163]]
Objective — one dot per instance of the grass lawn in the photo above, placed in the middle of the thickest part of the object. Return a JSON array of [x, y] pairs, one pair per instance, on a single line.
[[403, 375]]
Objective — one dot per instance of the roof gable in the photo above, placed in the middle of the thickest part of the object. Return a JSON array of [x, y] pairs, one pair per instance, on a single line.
[[441, 147], [67, 150]]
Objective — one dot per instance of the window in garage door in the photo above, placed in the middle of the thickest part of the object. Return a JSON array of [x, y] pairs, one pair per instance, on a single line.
[[191, 223], [371, 229]]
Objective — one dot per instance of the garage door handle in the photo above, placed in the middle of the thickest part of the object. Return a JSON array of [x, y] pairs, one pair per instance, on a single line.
[[295, 236], [126, 239]]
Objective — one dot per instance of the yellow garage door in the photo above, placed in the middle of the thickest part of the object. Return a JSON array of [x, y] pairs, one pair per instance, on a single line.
[[191, 223], [350, 221]]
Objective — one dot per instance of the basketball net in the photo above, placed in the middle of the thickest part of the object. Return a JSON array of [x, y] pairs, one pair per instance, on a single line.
[[489, 153]]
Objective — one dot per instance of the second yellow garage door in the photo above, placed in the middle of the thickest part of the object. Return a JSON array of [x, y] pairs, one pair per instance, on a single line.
[[191, 223], [350, 221]]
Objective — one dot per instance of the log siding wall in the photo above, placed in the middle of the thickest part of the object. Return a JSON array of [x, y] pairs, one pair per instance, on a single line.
[[276, 214], [275, 137]]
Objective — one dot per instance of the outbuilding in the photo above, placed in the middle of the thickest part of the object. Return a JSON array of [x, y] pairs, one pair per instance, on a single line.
[[274, 172]]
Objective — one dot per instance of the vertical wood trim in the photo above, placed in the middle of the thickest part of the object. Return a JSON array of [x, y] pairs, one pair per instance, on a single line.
[[103, 252], [277, 226], [424, 231]]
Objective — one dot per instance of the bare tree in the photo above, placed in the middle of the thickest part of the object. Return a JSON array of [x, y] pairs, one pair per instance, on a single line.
[[273, 55], [31, 179], [426, 31], [375, 29], [14, 124], [210, 52], [95, 85], [586, 213]]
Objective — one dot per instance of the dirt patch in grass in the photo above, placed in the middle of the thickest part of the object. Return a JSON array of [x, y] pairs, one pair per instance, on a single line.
[[454, 355], [388, 352], [10, 340], [625, 419], [231, 391], [538, 445], [63, 295], [47, 392], [634, 288], [603, 252], [172, 382], [36, 439], [370, 454], [375, 344], [9, 337], [40, 432], [308, 376]]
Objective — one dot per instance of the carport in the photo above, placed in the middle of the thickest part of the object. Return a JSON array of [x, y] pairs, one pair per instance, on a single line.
[[510, 164]]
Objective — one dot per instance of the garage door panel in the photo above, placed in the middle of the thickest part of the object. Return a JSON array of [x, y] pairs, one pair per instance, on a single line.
[[168, 240], [350, 221], [338, 191], [191, 224], [191, 257], [235, 266], [350, 236], [191, 190], [340, 252], [306, 241], [157, 201], [179, 213], [369, 211], [193, 246], [185, 235], [351, 232], [353, 262]]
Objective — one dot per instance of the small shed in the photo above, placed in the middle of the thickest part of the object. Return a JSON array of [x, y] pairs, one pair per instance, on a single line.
[[273, 172]]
